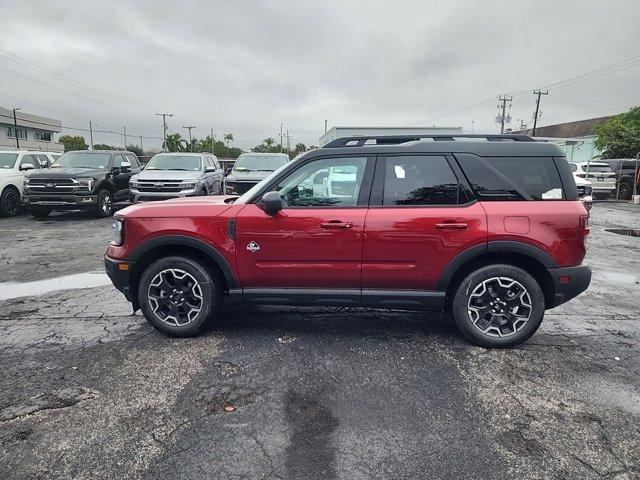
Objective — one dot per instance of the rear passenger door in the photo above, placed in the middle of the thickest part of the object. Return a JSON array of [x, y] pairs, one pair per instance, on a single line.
[[421, 216]]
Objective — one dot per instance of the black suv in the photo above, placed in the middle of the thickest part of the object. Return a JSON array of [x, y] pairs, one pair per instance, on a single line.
[[624, 169], [90, 180]]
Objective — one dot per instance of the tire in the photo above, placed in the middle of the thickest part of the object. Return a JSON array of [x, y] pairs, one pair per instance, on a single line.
[[202, 291], [9, 202], [473, 312], [104, 208], [40, 212], [203, 192], [625, 190]]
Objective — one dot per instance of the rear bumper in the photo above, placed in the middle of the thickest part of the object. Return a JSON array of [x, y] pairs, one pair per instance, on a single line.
[[119, 278], [569, 282]]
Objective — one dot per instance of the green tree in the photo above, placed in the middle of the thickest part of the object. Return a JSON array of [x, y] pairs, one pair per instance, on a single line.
[[228, 137], [269, 145], [73, 143], [619, 137], [103, 146], [175, 143], [135, 149]]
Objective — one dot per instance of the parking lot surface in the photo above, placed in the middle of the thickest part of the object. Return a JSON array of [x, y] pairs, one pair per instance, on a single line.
[[89, 390]]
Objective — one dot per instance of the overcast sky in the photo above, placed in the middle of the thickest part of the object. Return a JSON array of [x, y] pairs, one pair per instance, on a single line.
[[244, 67]]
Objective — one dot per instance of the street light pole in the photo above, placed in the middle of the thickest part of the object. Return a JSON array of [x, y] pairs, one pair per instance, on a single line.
[[15, 124], [91, 134]]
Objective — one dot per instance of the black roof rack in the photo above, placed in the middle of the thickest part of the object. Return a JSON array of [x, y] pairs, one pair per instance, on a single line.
[[359, 141]]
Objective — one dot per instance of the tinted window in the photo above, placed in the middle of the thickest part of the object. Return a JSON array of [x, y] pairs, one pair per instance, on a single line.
[[419, 180], [512, 178], [166, 161], [133, 160], [29, 159], [82, 160], [324, 183]]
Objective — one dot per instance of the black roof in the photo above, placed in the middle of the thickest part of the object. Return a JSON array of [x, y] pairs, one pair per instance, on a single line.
[[482, 145]]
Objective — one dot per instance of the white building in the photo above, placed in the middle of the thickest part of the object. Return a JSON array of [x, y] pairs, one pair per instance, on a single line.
[[33, 132], [340, 132]]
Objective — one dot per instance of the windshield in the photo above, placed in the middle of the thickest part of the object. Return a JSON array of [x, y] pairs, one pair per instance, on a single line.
[[252, 191], [8, 160], [175, 162], [259, 163], [82, 160]]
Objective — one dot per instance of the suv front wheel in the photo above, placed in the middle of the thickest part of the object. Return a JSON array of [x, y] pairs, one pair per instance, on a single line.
[[104, 208], [179, 296], [498, 306]]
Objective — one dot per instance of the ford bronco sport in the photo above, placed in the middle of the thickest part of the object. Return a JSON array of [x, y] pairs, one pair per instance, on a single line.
[[489, 228]]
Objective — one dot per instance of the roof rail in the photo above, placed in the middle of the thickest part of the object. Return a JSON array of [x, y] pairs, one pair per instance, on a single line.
[[359, 141]]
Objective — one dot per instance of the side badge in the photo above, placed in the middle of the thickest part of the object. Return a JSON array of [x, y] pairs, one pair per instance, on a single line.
[[253, 246]]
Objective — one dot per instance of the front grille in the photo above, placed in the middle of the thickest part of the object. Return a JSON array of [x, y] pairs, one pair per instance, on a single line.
[[52, 185], [159, 186], [240, 187]]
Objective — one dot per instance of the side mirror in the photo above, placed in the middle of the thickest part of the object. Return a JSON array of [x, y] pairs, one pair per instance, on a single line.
[[210, 169], [125, 166], [27, 166], [271, 202], [142, 165]]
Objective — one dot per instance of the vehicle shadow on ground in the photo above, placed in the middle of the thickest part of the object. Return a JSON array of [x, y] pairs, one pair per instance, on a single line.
[[64, 216], [344, 322]]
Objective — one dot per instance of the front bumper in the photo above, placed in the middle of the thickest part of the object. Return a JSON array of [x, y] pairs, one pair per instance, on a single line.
[[119, 278], [569, 282], [56, 201], [136, 195], [238, 188]]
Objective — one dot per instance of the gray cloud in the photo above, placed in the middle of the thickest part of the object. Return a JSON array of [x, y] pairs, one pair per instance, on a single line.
[[245, 67]]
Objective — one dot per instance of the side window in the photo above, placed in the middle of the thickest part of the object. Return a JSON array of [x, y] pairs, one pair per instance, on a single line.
[[133, 161], [29, 159], [324, 182], [420, 180], [117, 161], [512, 178]]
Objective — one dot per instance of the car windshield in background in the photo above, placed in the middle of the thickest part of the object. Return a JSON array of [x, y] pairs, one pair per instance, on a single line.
[[8, 160], [259, 163], [82, 160], [598, 169], [175, 162], [252, 191]]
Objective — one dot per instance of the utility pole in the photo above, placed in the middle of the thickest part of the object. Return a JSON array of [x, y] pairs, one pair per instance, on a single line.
[[91, 134], [15, 128], [288, 141], [164, 127], [281, 138], [190, 144], [535, 116], [212, 142], [141, 147], [504, 99], [125, 137], [325, 126]]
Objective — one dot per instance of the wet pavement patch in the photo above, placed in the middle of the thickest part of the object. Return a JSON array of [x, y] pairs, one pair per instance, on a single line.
[[9, 290], [630, 232]]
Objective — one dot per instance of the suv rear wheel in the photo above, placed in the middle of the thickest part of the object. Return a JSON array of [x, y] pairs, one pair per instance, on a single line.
[[498, 306], [179, 296]]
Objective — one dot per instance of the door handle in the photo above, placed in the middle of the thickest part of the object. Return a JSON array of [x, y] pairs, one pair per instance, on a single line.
[[337, 224], [452, 226]]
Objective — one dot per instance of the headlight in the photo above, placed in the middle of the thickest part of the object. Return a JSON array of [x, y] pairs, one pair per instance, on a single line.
[[118, 231], [230, 188], [86, 183], [187, 185]]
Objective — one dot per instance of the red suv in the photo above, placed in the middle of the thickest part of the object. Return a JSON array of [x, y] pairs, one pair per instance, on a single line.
[[487, 227]]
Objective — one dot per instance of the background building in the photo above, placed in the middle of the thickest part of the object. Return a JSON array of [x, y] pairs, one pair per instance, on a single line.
[[574, 138], [339, 132], [34, 132]]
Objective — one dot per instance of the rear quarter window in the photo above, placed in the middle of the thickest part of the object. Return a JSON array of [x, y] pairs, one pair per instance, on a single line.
[[516, 178]]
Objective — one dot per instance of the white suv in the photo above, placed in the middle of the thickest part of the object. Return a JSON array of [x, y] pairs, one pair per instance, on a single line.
[[13, 165], [602, 178]]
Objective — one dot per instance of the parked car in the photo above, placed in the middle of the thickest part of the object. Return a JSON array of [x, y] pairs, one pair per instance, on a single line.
[[250, 168], [90, 180], [172, 175], [625, 170], [585, 191], [491, 231], [602, 178], [13, 166]]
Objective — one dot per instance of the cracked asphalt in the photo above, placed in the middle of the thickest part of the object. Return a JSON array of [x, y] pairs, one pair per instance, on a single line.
[[89, 391]]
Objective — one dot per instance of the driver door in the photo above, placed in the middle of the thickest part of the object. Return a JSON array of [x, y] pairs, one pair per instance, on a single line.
[[315, 241]]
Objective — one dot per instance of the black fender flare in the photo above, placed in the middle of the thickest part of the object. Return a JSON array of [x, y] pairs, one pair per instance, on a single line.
[[105, 184], [186, 241], [507, 246]]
